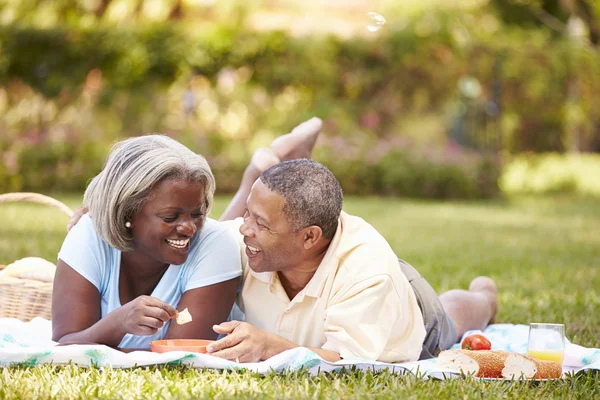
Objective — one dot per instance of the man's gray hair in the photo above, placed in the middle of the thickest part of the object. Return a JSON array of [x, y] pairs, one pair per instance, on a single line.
[[133, 168], [312, 194]]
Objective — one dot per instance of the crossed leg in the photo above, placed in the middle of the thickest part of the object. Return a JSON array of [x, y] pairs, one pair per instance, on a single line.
[[296, 144], [474, 308]]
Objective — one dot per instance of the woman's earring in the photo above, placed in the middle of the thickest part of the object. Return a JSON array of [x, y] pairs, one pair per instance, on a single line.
[[127, 224]]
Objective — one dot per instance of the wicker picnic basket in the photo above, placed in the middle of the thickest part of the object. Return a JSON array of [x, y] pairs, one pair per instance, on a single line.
[[27, 298]]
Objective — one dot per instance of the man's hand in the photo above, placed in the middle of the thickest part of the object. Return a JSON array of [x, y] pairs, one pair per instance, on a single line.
[[76, 217], [246, 343], [243, 343]]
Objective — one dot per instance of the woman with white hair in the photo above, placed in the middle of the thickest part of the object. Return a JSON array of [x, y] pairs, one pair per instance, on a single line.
[[145, 250]]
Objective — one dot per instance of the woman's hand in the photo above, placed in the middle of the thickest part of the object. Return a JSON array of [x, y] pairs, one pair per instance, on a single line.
[[76, 313], [144, 315]]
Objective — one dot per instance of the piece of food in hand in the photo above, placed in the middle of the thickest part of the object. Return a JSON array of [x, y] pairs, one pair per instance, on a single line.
[[482, 364], [183, 317], [525, 366], [476, 342]]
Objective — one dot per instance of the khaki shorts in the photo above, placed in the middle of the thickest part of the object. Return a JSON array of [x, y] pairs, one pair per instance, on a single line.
[[440, 330]]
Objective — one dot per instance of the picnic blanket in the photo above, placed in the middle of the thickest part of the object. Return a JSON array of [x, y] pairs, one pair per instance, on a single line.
[[30, 344]]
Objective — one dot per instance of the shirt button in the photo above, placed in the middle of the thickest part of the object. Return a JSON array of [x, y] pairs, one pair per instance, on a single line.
[[287, 311]]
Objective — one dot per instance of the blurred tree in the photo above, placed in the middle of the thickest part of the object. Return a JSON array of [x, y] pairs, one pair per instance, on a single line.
[[553, 14], [590, 14], [564, 18], [101, 8], [58, 12], [176, 12]]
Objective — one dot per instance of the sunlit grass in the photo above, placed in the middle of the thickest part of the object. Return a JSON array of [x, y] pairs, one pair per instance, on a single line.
[[544, 254], [163, 382]]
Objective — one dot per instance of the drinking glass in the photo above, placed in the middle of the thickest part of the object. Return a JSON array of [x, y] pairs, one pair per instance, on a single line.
[[547, 342]]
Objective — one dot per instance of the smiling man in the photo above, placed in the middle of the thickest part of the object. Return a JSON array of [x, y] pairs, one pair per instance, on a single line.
[[317, 277]]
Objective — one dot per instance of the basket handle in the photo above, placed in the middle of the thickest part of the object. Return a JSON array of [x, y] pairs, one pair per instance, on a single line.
[[35, 198]]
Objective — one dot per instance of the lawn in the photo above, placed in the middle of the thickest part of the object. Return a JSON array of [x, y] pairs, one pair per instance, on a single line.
[[543, 253]]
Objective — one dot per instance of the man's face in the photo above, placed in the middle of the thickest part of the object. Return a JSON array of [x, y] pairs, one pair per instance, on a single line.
[[167, 223], [271, 243]]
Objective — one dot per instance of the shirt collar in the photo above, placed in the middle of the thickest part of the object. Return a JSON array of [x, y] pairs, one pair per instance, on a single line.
[[265, 277], [339, 246], [330, 261]]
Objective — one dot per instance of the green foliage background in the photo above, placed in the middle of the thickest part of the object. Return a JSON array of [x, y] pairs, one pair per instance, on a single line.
[[392, 102]]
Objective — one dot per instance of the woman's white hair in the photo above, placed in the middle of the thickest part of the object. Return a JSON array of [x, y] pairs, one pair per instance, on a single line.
[[133, 168]]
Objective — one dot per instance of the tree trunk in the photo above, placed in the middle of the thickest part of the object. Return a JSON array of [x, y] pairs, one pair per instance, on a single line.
[[586, 13], [102, 7], [177, 11]]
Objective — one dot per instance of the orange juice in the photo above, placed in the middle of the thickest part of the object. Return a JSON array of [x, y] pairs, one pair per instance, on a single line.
[[550, 355]]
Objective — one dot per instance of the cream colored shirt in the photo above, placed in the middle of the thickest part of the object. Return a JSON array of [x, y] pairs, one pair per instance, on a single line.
[[358, 303]]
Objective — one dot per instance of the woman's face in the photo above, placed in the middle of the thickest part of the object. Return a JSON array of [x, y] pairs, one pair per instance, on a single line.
[[166, 224]]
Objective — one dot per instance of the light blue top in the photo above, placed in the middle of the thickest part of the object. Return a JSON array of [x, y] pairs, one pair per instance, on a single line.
[[214, 257]]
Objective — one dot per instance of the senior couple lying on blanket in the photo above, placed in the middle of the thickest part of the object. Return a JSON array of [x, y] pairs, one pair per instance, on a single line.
[[302, 271]]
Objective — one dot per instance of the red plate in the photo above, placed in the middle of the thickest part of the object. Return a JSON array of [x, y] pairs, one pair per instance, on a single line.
[[193, 345]]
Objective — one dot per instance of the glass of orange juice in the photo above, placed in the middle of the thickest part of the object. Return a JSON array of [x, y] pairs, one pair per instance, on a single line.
[[547, 342]]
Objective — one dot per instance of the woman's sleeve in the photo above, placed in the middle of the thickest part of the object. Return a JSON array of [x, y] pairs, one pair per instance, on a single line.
[[217, 259], [85, 252]]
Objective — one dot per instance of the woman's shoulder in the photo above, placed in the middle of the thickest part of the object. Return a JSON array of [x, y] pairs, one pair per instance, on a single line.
[[215, 231], [89, 255], [83, 240], [84, 231], [214, 256], [215, 237], [84, 223]]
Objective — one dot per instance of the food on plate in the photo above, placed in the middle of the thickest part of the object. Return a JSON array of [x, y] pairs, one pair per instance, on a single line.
[[525, 366], [482, 363], [193, 345], [498, 364], [476, 342], [183, 317]]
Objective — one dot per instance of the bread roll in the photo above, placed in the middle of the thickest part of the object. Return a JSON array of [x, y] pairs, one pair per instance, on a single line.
[[525, 366], [30, 268], [482, 363]]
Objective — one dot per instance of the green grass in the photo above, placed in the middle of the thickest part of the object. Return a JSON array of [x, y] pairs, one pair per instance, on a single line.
[[544, 254], [74, 382]]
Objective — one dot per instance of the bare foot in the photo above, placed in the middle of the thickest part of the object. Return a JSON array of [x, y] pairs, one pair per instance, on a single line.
[[486, 285], [263, 159], [299, 142]]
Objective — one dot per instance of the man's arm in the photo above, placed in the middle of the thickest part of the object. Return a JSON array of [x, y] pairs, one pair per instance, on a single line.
[[360, 322], [246, 343], [279, 345], [376, 318]]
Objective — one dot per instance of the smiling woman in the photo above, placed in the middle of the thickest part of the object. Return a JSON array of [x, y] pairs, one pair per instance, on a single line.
[[145, 249]]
